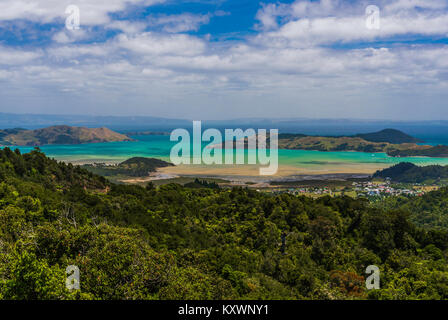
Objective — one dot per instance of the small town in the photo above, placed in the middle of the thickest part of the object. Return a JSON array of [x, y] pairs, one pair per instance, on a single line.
[[362, 189]]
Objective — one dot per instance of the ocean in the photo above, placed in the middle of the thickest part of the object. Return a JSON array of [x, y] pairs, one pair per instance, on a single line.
[[312, 162]]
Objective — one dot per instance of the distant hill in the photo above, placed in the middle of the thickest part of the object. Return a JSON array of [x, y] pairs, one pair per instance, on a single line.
[[427, 151], [389, 135], [133, 167], [410, 173], [139, 166], [393, 142], [382, 141], [59, 135]]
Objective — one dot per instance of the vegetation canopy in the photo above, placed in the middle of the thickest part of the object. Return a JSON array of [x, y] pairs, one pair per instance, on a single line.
[[175, 242]]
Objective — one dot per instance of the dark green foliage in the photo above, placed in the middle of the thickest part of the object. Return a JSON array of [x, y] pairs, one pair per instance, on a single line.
[[201, 184], [410, 173], [175, 242], [429, 211], [134, 167]]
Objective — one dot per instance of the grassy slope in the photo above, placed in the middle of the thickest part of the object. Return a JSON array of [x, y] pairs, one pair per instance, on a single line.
[[342, 144]]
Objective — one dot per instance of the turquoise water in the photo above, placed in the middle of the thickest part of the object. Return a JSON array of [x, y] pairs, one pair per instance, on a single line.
[[145, 146], [317, 158], [160, 146]]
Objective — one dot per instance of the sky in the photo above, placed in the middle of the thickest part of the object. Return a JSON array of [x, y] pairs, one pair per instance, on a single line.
[[226, 59]]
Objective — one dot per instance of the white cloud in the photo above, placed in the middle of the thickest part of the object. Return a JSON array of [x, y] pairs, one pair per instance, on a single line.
[[10, 56], [127, 26], [76, 51], [150, 43], [400, 5], [180, 23], [326, 22], [69, 36], [289, 67], [91, 12]]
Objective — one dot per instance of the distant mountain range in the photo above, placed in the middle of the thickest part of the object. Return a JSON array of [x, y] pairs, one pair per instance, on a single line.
[[59, 135]]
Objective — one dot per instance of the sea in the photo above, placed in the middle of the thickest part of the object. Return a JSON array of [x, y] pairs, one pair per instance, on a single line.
[[159, 146]]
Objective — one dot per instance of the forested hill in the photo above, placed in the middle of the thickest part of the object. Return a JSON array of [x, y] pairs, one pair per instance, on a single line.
[[392, 136], [133, 167], [410, 173], [59, 135], [390, 141], [429, 211], [131, 242]]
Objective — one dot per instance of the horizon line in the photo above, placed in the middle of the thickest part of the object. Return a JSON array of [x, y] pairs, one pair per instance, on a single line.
[[267, 118]]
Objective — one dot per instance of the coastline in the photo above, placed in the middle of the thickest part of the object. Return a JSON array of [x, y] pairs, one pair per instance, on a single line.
[[248, 173], [242, 179], [292, 163], [284, 171]]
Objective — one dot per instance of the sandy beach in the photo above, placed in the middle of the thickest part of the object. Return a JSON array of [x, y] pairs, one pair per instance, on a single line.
[[283, 170]]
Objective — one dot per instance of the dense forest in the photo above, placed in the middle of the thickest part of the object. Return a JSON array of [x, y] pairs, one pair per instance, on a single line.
[[175, 242], [429, 211], [133, 167], [389, 135], [410, 173]]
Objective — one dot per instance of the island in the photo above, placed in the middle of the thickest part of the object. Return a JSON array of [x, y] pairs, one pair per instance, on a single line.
[[393, 142], [59, 135]]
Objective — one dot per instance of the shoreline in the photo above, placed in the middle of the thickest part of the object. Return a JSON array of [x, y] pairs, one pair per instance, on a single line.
[[246, 173], [240, 179], [311, 164]]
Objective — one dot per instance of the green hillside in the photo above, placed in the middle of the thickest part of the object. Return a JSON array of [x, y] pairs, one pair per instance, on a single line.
[[390, 141], [410, 173], [173, 242], [392, 136], [133, 167]]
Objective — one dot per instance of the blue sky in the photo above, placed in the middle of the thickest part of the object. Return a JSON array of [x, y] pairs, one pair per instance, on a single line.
[[222, 59]]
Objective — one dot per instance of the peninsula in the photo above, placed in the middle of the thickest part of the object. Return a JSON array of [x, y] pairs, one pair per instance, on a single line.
[[59, 135], [393, 142]]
